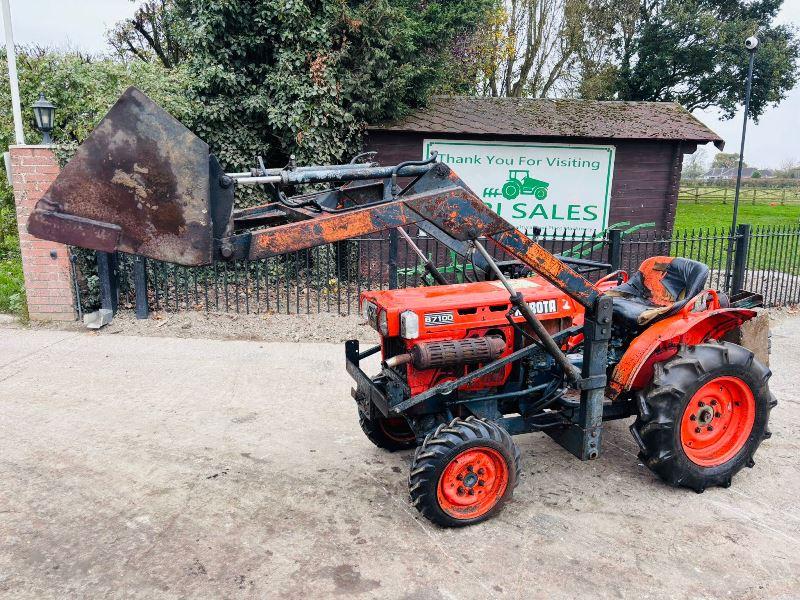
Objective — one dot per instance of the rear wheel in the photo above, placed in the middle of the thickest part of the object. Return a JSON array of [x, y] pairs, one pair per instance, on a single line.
[[389, 433], [704, 415], [464, 472]]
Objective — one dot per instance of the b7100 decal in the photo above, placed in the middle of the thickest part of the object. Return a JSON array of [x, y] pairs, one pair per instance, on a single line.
[[440, 318]]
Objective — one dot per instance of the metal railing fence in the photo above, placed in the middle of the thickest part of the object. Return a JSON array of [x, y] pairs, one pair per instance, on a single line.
[[331, 278]]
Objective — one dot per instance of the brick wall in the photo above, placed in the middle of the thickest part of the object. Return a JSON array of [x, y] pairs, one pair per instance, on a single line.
[[46, 266]]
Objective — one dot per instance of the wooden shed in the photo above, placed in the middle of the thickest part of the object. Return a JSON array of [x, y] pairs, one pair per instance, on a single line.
[[554, 154]]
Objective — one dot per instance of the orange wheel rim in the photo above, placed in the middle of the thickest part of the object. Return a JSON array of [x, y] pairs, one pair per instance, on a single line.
[[472, 483], [717, 421]]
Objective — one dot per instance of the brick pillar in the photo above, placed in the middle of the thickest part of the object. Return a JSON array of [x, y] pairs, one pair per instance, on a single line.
[[46, 265]]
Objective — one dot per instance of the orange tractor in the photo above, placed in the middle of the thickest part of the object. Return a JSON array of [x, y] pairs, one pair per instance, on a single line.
[[463, 367]]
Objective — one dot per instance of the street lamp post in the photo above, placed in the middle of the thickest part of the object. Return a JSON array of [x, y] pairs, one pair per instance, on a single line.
[[751, 44]]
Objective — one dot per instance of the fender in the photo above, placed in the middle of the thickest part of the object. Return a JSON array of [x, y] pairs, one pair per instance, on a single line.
[[661, 340]]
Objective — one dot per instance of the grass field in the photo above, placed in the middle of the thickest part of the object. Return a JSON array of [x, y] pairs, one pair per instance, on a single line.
[[775, 249], [716, 214]]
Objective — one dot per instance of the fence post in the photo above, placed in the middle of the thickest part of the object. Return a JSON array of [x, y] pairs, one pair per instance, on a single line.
[[140, 286], [109, 280], [615, 249], [740, 258], [393, 259]]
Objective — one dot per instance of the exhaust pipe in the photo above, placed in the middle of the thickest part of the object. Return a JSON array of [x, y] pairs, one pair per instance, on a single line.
[[450, 353]]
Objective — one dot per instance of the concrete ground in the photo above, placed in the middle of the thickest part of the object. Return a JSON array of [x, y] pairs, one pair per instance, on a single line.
[[172, 468]]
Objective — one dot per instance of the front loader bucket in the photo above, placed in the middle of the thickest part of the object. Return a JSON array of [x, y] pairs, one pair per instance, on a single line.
[[138, 184]]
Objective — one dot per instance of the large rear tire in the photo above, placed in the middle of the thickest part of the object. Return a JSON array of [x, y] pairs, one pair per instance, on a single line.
[[464, 472], [704, 415]]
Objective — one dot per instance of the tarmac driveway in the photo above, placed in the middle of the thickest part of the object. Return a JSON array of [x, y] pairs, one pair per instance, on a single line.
[[172, 468]]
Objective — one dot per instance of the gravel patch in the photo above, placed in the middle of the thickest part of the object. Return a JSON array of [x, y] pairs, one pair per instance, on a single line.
[[323, 327]]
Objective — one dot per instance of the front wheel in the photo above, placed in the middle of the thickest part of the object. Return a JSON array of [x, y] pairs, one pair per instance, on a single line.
[[511, 190], [704, 415], [389, 433], [464, 472]]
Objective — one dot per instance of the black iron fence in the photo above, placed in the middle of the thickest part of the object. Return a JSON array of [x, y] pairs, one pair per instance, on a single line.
[[330, 278]]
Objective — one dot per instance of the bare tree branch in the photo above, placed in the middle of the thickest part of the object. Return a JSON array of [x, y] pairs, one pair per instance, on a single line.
[[151, 31]]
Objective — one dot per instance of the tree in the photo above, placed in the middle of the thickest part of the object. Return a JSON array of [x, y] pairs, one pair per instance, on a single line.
[[609, 30], [694, 165], [726, 160], [530, 47], [154, 32], [446, 32], [788, 169], [275, 78], [692, 52]]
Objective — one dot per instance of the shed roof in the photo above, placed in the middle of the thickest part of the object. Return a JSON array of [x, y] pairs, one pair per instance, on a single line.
[[555, 118]]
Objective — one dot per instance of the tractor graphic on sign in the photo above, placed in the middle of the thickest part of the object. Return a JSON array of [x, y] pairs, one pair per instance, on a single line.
[[521, 182]]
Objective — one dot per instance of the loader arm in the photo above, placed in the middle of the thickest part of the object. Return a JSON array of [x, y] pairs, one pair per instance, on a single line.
[[449, 207]]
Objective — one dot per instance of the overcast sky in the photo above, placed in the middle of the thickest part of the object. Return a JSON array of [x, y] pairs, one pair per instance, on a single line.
[[83, 23]]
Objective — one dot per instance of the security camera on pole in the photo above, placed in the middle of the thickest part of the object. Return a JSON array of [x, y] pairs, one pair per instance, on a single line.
[[751, 44]]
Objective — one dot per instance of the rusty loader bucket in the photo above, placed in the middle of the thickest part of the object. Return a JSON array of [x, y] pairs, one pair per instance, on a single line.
[[138, 184]]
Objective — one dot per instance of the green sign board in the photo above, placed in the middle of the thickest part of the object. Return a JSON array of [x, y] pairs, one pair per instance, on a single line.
[[551, 186]]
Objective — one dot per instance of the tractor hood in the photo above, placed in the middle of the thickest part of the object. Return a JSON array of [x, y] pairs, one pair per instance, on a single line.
[[452, 307]]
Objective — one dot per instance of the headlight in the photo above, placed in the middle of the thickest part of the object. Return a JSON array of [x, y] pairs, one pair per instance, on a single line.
[[383, 323], [409, 325], [370, 311]]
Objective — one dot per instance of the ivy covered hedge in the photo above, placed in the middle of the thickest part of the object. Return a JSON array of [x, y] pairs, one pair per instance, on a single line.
[[275, 78]]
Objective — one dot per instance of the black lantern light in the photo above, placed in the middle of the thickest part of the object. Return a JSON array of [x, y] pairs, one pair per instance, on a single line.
[[45, 112]]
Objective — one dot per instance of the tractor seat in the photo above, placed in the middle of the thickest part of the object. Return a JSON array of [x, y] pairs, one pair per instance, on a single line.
[[661, 287]]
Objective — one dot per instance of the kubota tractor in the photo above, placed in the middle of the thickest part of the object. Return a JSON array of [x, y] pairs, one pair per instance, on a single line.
[[462, 367]]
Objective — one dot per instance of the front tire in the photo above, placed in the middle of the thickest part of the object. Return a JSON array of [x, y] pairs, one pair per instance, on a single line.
[[511, 190], [389, 433], [704, 415], [464, 472]]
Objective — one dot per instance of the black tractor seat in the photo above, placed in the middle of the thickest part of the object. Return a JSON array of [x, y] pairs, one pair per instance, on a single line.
[[661, 287]]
